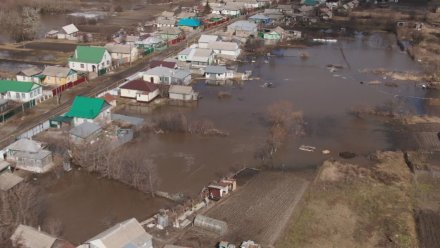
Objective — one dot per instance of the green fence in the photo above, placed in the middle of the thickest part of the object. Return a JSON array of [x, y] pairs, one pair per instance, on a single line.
[[17, 110]]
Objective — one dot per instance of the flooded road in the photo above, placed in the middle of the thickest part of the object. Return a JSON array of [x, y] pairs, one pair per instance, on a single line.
[[87, 205], [187, 163]]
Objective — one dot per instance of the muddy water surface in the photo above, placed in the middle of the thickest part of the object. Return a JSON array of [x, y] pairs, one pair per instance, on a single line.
[[186, 162]]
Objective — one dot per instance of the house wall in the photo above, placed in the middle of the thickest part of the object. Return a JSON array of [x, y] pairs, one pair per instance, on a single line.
[[147, 97], [183, 97], [22, 78], [152, 78], [26, 162], [61, 80], [23, 97], [123, 58], [203, 44], [106, 62], [216, 76], [103, 117], [182, 58]]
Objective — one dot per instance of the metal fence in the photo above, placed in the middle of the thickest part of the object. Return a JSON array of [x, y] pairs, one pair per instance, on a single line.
[[17, 110]]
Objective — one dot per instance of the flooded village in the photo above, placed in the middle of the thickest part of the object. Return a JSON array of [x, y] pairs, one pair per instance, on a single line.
[[233, 123]]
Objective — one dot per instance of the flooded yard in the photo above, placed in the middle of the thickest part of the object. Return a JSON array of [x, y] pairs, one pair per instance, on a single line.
[[87, 205], [186, 162]]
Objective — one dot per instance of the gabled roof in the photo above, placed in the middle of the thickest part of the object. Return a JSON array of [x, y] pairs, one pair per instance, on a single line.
[[167, 14], [160, 71], [223, 45], [119, 48], [127, 234], [29, 72], [56, 71], [86, 107], [185, 51], [85, 130], [243, 25], [189, 22], [168, 64], [140, 85], [200, 54], [25, 145], [181, 74], [259, 17], [180, 89], [88, 54], [70, 29], [15, 86], [216, 69], [28, 236], [205, 38]]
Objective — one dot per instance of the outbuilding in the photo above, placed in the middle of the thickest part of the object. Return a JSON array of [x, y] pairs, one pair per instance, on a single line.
[[29, 155], [218, 72], [85, 133], [181, 92], [32, 74], [140, 90]]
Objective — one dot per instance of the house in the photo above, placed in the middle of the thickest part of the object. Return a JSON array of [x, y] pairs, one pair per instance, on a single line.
[[183, 55], [56, 75], [232, 9], [129, 234], [181, 92], [68, 32], [228, 50], [168, 64], [91, 59], [30, 237], [218, 190], [243, 29], [170, 33], [217, 9], [32, 74], [165, 75], [276, 34], [250, 4], [140, 90], [189, 23], [260, 19], [150, 42], [29, 155], [122, 54], [206, 38], [85, 133], [87, 109], [218, 72], [165, 22], [20, 91], [201, 57]]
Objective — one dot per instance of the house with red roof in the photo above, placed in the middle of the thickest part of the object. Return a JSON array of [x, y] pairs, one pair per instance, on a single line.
[[142, 91]]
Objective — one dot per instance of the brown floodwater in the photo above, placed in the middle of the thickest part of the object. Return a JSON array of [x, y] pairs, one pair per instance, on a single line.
[[188, 162], [87, 205]]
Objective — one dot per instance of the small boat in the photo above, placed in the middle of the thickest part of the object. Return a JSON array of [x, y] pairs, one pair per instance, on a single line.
[[267, 85], [307, 148], [266, 61]]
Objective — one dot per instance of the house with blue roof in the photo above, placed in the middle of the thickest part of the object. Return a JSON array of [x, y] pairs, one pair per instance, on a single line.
[[260, 18], [189, 23]]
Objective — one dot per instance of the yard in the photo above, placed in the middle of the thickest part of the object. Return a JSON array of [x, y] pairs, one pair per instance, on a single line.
[[257, 211]]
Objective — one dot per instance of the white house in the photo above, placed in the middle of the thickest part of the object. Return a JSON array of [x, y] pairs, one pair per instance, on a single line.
[[129, 234], [165, 75], [122, 54], [218, 72], [183, 55], [68, 32], [251, 4], [206, 38], [181, 92], [29, 155], [87, 109], [232, 9], [165, 22], [20, 91], [140, 90], [201, 57], [243, 28], [32, 74], [229, 50], [91, 59]]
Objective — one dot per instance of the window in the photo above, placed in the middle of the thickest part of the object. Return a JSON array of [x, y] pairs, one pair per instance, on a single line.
[[108, 62], [102, 64], [23, 95], [32, 94], [82, 66], [17, 95]]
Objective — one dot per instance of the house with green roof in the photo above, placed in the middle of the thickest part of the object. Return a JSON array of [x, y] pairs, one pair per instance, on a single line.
[[20, 91], [88, 109], [90, 59]]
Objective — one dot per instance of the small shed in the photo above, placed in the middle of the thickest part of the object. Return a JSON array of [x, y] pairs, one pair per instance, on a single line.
[[8, 180], [181, 92], [211, 224], [69, 32], [218, 190], [85, 132], [60, 121]]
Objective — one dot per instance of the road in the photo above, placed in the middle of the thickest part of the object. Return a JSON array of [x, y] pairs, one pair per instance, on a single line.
[[95, 87]]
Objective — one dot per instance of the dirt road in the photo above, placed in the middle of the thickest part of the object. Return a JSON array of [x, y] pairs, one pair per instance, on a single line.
[[10, 130]]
